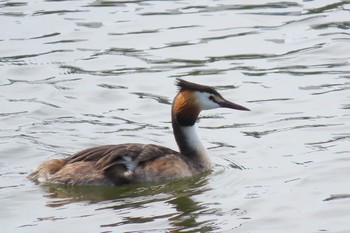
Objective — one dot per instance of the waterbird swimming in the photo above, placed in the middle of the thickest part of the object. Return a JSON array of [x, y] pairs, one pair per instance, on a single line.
[[134, 162]]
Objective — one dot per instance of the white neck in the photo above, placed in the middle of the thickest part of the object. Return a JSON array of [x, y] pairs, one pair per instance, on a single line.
[[191, 146], [184, 114], [192, 139]]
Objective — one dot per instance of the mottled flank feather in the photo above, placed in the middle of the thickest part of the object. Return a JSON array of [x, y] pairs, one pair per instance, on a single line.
[[46, 170]]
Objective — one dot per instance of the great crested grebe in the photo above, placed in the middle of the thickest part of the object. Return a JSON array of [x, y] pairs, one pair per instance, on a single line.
[[133, 162]]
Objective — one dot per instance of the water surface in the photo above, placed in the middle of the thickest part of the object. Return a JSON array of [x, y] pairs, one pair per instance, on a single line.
[[76, 74]]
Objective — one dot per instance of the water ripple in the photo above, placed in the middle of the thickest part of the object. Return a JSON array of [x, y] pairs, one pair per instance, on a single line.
[[56, 12], [337, 197], [105, 75], [328, 7], [34, 100], [159, 99], [18, 58], [259, 134]]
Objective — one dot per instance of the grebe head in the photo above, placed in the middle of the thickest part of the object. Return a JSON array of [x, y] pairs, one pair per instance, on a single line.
[[193, 98]]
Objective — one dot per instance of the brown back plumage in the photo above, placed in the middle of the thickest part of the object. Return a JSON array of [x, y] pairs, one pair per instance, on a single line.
[[117, 162]]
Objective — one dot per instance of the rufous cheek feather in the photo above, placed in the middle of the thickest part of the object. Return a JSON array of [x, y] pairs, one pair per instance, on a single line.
[[186, 108]]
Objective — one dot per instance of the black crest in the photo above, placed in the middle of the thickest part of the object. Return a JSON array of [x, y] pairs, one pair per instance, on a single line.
[[188, 86]]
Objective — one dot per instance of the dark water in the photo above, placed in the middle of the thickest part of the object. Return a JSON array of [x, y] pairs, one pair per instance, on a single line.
[[75, 74]]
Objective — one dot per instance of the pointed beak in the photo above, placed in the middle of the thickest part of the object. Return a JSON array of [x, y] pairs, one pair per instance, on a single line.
[[227, 104]]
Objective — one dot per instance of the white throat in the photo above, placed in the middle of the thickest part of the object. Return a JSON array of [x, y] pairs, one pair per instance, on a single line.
[[194, 144]]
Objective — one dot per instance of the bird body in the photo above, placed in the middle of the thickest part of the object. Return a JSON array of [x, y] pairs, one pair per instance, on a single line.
[[134, 162]]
